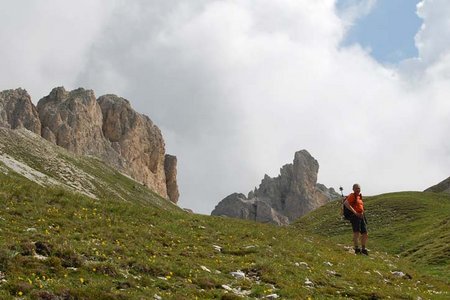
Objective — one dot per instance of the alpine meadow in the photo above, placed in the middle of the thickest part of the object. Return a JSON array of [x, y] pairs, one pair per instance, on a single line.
[[110, 237], [224, 149]]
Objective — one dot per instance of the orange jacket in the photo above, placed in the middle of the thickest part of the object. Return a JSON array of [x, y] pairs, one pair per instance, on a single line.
[[356, 202]]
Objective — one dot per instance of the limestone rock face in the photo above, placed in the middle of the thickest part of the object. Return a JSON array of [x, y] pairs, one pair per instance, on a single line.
[[238, 206], [170, 169], [17, 111], [137, 140], [441, 187], [73, 120], [292, 194], [107, 128]]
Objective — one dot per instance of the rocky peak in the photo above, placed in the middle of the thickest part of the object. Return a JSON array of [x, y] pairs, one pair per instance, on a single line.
[[292, 194], [73, 120], [17, 111], [107, 128], [136, 139]]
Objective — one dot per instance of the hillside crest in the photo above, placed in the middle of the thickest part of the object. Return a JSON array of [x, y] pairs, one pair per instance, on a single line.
[[441, 187]]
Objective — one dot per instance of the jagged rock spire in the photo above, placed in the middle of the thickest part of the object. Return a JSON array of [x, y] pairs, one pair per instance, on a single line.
[[282, 199]]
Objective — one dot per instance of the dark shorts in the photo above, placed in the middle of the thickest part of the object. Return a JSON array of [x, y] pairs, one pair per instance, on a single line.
[[358, 225]]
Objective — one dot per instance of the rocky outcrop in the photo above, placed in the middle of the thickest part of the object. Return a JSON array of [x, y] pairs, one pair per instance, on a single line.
[[17, 111], [73, 120], [137, 140], [107, 128], [441, 187], [238, 206], [283, 199], [170, 168]]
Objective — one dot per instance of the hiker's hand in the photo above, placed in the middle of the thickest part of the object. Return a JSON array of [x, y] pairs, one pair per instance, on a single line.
[[360, 215]]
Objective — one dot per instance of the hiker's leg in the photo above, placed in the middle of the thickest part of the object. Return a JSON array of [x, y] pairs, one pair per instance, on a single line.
[[356, 227], [355, 239], [364, 234], [364, 237]]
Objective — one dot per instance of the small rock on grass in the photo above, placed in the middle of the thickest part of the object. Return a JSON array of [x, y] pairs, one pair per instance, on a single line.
[[205, 269], [238, 274]]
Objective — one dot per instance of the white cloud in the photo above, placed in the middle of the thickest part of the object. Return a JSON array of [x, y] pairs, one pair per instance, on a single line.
[[44, 42], [432, 38], [352, 10], [238, 86]]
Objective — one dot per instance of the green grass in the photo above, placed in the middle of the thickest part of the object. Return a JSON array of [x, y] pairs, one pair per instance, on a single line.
[[129, 243], [414, 225], [107, 187], [105, 249], [67, 168]]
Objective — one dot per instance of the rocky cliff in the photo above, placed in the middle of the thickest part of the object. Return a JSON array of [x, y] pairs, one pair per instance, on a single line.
[[170, 167], [17, 111], [73, 120], [281, 200], [106, 127]]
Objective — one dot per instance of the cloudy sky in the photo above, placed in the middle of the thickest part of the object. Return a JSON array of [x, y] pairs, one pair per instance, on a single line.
[[238, 86]]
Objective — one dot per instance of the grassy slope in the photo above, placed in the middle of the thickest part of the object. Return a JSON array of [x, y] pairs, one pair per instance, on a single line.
[[78, 172], [414, 225], [103, 249], [131, 244]]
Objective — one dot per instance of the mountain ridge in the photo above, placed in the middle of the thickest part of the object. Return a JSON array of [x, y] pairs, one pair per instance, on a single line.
[[106, 127]]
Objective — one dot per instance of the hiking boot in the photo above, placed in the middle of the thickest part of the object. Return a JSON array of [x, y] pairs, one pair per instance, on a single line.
[[357, 251], [365, 252]]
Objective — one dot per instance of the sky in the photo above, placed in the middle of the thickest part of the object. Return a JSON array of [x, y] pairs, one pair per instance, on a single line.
[[386, 30], [238, 86]]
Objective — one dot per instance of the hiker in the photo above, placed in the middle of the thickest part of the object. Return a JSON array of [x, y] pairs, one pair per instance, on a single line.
[[355, 204]]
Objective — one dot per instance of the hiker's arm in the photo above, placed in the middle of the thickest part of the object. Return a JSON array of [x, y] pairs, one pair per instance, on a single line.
[[351, 208]]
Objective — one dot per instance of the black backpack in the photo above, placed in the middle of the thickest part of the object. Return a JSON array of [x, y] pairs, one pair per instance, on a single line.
[[347, 212]]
